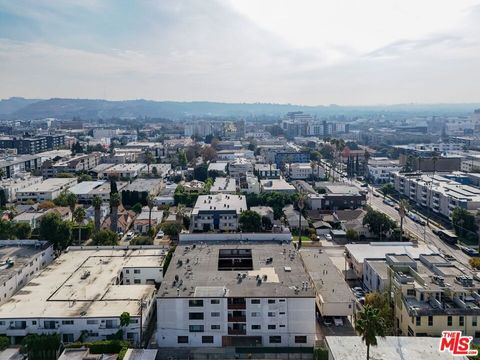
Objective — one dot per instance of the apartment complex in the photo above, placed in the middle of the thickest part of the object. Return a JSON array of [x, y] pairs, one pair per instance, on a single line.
[[236, 295], [13, 165], [84, 292], [379, 169], [433, 295], [438, 193], [49, 189], [12, 185], [224, 185], [20, 261], [218, 212], [337, 197], [73, 165], [300, 171]]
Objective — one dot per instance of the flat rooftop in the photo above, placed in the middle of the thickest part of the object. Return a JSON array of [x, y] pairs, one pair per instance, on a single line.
[[86, 186], [220, 202], [390, 347], [230, 270], [126, 168], [19, 255], [327, 279], [144, 185], [48, 185], [61, 289], [378, 250], [218, 166], [276, 185], [223, 184]]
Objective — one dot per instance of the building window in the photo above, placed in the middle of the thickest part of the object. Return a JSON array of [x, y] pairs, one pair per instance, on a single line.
[[127, 271], [255, 301], [182, 340], [215, 327], [300, 339], [461, 321], [136, 271], [67, 322], [137, 281], [215, 314], [195, 328], [282, 312], [275, 339], [418, 320], [256, 327], [430, 321], [272, 327], [92, 322], [195, 316], [207, 339], [410, 292], [215, 301], [67, 338], [449, 321], [474, 321], [271, 314], [271, 301], [281, 300], [255, 314], [195, 303]]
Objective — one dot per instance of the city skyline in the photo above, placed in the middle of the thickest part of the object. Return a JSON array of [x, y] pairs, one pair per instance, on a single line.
[[379, 52]]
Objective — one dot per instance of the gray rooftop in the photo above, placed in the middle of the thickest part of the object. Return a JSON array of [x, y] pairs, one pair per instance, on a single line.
[[144, 185], [220, 202], [197, 268]]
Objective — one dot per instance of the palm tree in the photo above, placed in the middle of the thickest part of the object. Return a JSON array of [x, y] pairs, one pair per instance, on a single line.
[[114, 204], [150, 207], [2, 174], [313, 165], [79, 216], [149, 158], [301, 205], [403, 207], [97, 205], [369, 325], [71, 201]]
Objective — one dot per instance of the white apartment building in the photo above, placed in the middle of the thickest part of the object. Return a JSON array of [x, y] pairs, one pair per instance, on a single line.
[[12, 185], [218, 212], [440, 194], [240, 166], [20, 261], [236, 295], [84, 190], [84, 292], [224, 185], [123, 171], [253, 185], [300, 171], [380, 169], [46, 190], [105, 133]]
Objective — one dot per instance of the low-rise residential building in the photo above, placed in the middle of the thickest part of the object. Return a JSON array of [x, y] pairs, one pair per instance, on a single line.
[[142, 222], [31, 218], [438, 193], [236, 295], [294, 219], [267, 171], [278, 185], [13, 165], [48, 189], [239, 167], [84, 292], [263, 211], [218, 212], [380, 169], [337, 197], [104, 212], [103, 191], [20, 261], [12, 185], [79, 163], [251, 184], [389, 347], [139, 190], [123, 171], [333, 295], [83, 190], [219, 166], [224, 185], [300, 171]]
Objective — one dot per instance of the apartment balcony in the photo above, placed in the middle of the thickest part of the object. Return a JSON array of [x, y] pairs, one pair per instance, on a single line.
[[237, 306], [239, 319]]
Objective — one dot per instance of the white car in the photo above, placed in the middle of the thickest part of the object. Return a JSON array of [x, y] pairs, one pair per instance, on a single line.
[[328, 236], [338, 321], [130, 235], [160, 235]]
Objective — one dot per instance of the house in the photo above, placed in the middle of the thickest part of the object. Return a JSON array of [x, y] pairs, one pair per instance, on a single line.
[[264, 211], [125, 220], [141, 223]]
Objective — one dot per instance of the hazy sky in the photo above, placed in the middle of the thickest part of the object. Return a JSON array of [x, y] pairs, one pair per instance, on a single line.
[[282, 51]]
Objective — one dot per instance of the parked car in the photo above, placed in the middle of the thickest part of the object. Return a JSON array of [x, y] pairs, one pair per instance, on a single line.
[[470, 251], [338, 321], [328, 236], [327, 321], [160, 235], [130, 235], [421, 221], [449, 257]]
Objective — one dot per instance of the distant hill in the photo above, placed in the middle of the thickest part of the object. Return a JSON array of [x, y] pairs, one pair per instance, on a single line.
[[20, 108]]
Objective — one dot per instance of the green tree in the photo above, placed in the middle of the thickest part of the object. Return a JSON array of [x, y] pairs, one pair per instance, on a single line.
[[41, 347], [142, 240], [266, 223], [172, 229], [84, 177], [105, 237], [378, 222], [150, 204], [4, 342], [149, 159], [182, 158], [200, 172], [464, 223], [137, 208], [369, 325], [250, 221], [387, 189], [79, 216], [23, 230], [97, 206], [55, 230], [124, 319], [71, 202], [114, 204], [351, 234], [381, 301], [7, 230]]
